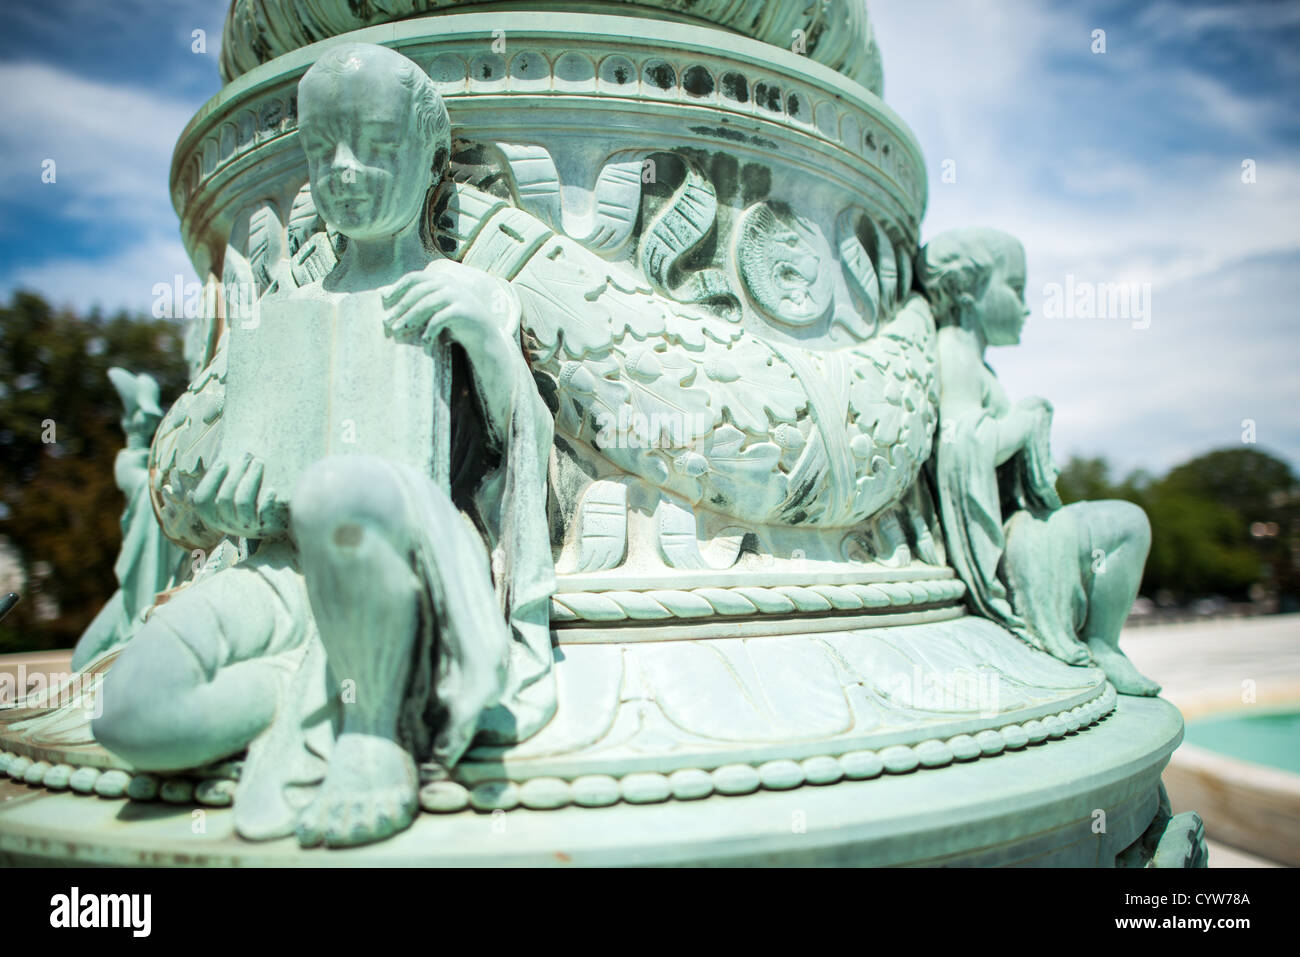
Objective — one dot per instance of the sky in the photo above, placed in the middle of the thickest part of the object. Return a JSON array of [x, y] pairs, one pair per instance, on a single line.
[[1119, 167], [1125, 167]]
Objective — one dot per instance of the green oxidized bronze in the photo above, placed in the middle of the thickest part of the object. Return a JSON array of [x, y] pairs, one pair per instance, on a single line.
[[575, 426], [1063, 578]]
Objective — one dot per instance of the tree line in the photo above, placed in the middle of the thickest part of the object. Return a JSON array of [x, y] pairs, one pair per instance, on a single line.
[[1225, 524]]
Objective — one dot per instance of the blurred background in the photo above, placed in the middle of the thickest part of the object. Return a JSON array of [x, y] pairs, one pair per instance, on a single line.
[[1148, 147]]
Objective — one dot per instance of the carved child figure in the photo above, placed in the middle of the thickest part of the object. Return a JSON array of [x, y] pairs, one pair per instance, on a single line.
[[147, 562], [1063, 578], [378, 563]]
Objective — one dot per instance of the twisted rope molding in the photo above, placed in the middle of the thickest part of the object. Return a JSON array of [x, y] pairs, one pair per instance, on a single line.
[[742, 600], [597, 790]]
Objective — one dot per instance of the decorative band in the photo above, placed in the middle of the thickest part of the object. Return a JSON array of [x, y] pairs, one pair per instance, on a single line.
[[215, 786], [661, 603], [648, 787]]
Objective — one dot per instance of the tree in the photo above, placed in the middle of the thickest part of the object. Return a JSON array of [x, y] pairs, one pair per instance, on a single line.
[[59, 435], [1085, 479], [1199, 547], [1253, 483], [1221, 523], [1263, 492]]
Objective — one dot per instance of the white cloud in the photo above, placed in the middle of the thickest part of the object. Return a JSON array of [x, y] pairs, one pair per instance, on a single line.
[[112, 147], [1115, 168], [123, 280], [111, 144], [1216, 103], [1070, 152], [1180, 20]]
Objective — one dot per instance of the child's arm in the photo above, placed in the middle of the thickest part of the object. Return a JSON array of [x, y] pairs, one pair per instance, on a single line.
[[477, 311]]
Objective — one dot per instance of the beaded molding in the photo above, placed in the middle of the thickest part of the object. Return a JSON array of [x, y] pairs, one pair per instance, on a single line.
[[215, 788], [599, 790], [663, 74], [658, 604], [839, 32], [689, 784]]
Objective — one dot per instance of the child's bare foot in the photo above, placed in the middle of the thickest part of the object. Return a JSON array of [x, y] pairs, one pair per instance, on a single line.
[[369, 793], [1126, 678]]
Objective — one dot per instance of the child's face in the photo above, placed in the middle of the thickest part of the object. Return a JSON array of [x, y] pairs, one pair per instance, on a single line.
[[368, 162], [1003, 306]]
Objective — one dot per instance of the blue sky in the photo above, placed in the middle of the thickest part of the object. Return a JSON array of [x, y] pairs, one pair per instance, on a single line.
[[1115, 167], [1125, 167]]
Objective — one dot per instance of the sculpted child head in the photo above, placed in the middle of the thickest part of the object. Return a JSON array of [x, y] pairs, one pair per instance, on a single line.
[[371, 122], [976, 278]]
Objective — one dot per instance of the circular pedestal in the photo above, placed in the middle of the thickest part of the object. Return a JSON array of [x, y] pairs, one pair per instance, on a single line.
[[1077, 801]]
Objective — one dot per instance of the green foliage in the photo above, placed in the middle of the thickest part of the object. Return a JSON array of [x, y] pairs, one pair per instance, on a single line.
[[1202, 515], [1083, 480], [59, 505], [1198, 547]]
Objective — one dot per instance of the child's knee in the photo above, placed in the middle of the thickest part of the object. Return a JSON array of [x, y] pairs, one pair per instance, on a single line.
[[145, 700]]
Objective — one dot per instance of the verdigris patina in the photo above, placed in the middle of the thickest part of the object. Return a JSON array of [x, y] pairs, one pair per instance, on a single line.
[[581, 446], [363, 554], [148, 562], [1063, 578]]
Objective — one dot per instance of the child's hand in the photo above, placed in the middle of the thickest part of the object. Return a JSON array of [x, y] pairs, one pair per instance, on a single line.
[[447, 296], [231, 499]]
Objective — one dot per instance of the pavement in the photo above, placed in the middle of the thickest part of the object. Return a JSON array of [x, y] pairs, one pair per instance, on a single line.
[[1216, 665], [1213, 664]]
